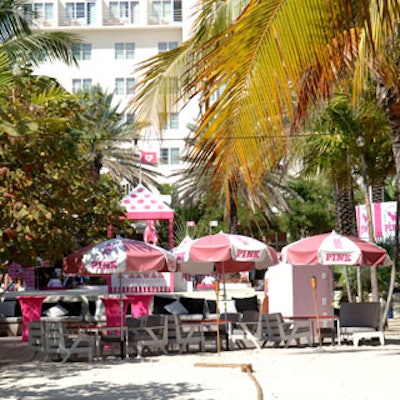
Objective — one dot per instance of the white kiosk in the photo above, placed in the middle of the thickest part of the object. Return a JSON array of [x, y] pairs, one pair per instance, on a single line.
[[290, 290]]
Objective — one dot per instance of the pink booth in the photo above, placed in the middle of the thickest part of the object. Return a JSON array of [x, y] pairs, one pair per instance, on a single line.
[[142, 205]]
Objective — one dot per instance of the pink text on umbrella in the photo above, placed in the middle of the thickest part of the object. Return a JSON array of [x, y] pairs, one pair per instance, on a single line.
[[248, 254], [338, 257]]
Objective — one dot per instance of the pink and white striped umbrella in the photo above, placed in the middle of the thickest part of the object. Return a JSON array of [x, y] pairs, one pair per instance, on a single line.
[[223, 253], [334, 249], [119, 255]]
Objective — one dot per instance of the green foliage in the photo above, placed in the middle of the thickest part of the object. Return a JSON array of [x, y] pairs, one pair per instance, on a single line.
[[24, 47], [49, 203], [312, 212], [105, 133]]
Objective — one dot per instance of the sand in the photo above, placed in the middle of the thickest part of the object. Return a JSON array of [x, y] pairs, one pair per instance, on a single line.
[[328, 373]]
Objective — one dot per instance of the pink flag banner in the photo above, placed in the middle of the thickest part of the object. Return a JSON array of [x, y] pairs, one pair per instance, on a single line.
[[383, 218], [148, 157]]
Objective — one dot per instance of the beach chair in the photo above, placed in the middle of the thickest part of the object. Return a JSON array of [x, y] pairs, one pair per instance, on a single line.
[[184, 334], [110, 339], [360, 321], [247, 329], [227, 321], [58, 342], [151, 334], [277, 330], [37, 337]]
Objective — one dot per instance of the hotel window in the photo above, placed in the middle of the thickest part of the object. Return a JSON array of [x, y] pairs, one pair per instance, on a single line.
[[124, 51], [177, 11], [124, 86], [165, 46], [38, 11], [169, 156], [172, 121], [79, 85], [161, 9], [124, 10], [82, 51], [81, 11]]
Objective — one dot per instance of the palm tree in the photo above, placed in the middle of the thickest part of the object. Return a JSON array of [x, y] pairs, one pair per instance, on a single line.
[[232, 191], [338, 155], [275, 60], [157, 92], [269, 65], [110, 140], [23, 46]]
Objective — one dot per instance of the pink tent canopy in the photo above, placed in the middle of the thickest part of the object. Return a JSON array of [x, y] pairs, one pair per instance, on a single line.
[[141, 204]]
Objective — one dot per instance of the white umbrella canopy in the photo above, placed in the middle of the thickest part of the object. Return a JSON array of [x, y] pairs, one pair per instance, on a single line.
[[223, 253], [334, 249], [119, 255]]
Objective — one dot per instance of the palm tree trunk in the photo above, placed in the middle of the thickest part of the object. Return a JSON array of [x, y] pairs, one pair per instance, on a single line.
[[378, 193], [395, 261], [233, 216], [371, 234], [345, 221], [389, 100]]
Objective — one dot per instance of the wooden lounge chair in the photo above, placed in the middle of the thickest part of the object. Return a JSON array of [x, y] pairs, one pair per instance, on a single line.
[[113, 340], [183, 335], [247, 329], [60, 343], [279, 331], [151, 334], [37, 337]]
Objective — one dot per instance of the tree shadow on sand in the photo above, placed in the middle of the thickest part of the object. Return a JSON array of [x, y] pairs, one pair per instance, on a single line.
[[95, 390], [100, 391]]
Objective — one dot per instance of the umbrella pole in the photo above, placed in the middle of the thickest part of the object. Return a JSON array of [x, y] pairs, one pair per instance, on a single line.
[[216, 287], [121, 318], [314, 289]]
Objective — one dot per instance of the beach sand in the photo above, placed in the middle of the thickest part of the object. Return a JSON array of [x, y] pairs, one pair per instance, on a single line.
[[329, 372]]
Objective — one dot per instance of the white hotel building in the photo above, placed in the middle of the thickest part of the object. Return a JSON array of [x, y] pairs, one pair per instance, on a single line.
[[116, 35]]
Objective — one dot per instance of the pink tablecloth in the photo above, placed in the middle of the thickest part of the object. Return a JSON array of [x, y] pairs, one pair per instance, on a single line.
[[31, 307], [113, 307], [140, 304]]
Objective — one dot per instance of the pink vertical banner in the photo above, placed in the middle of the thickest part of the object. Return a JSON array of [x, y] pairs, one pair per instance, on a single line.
[[384, 220], [377, 216], [389, 215], [362, 222]]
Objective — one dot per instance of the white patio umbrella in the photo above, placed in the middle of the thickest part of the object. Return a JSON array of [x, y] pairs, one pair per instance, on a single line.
[[223, 253]]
